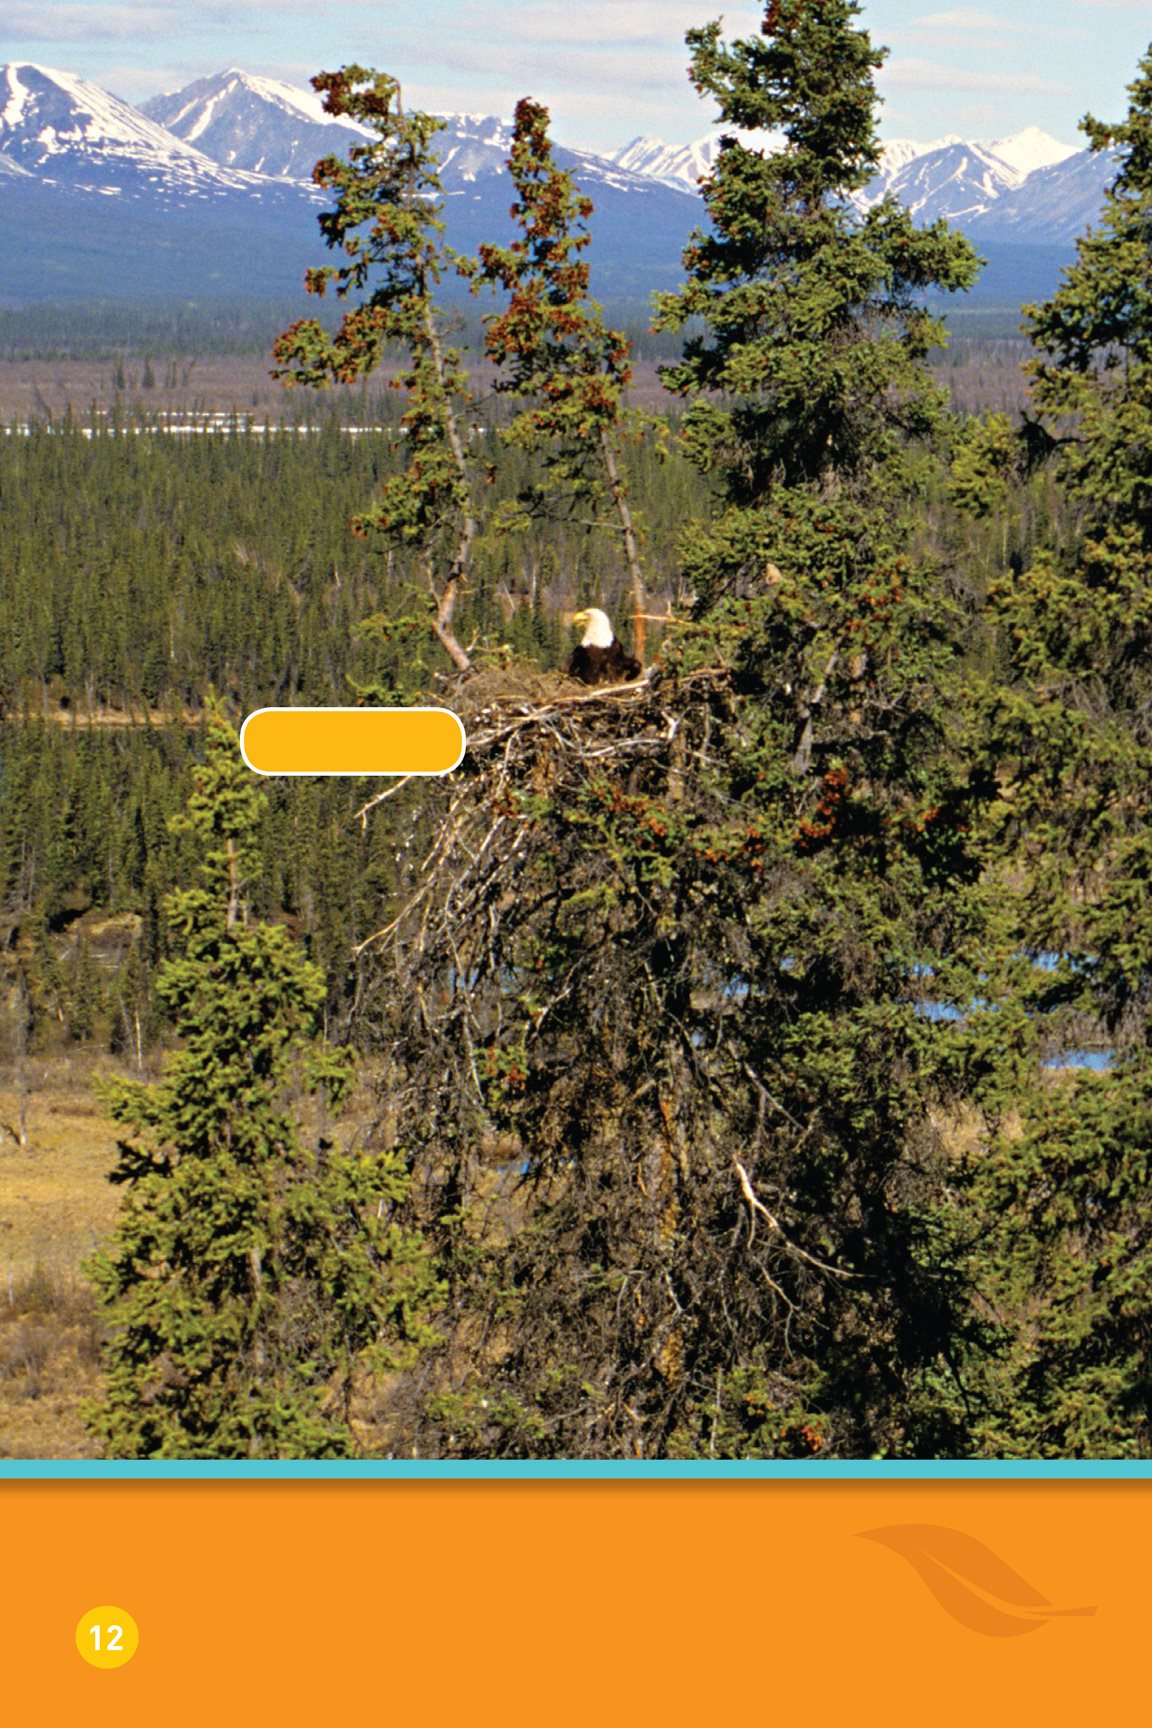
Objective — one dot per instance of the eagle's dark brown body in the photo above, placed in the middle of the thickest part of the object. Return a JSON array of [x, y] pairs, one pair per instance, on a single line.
[[600, 658], [603, 665]]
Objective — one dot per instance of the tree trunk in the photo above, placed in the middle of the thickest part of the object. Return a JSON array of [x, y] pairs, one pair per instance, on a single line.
[[631, 548], [446, 597]]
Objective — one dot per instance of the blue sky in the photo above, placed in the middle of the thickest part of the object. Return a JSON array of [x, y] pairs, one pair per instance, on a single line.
[[608, 69]]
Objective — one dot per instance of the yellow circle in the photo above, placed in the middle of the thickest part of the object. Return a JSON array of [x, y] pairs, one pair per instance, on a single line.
[[107, 1637]]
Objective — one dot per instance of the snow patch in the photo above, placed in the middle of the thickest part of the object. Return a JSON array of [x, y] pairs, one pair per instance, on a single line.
[[13, 111], [1031, 149]]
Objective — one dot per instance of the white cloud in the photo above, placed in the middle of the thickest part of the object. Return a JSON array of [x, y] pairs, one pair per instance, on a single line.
[[608, 23], [913, 74], [579, 120], [970, 27], [73, 21], [605, 67], [968, 18], [136, 83], [39, 23]]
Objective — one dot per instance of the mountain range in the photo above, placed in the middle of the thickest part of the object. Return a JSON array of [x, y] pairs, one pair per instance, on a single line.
[[1028, 183], [207, 191]]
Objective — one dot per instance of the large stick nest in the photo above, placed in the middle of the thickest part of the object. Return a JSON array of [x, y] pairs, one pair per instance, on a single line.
[[537, 732]]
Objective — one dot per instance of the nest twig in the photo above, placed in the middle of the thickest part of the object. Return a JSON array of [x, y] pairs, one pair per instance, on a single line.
[[531, 732]]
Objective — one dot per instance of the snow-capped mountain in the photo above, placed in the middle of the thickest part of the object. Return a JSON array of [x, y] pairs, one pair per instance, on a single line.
[[472, 148], [640, 225], [685, 165], [266, 127], [950, 177], [681, 165], [898, 152], [1031, 149], [958, 181], [233, 155], [962, 180], [639, 228], [208, 190], [103, 201], [256, 124], [64, 130], [1053, 205]]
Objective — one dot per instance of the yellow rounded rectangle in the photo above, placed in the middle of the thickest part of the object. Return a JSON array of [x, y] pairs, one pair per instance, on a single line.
[[352, 741]]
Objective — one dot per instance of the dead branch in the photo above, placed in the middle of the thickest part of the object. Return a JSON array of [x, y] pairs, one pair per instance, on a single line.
[[361, 815], [757, 1208]]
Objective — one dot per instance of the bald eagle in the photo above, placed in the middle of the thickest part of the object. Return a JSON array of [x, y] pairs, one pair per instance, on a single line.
[[600, 658]]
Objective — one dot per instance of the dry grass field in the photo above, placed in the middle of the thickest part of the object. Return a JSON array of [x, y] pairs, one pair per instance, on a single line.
[[56, 1206], [48, 390], [988, 376]]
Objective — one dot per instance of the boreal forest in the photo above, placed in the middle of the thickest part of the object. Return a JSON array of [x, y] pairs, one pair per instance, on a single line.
[[748, 1058]]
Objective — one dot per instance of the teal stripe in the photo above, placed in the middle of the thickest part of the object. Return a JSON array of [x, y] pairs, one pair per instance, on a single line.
[[419, 1470]]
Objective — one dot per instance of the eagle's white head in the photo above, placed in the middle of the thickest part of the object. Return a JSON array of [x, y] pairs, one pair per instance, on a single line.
[[597, 628]]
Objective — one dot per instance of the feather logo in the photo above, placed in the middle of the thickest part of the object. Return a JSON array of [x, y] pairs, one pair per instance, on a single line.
[[970, 1582]]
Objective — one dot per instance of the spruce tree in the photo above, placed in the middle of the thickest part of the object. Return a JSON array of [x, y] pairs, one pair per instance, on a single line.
[[256, 1271], [555, 349], [676, 944], [810, 370], [1068, 731], [386, 223]]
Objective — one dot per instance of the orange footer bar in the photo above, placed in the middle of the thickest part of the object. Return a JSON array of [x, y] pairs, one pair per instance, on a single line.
[[880, 1604], [352, 741]]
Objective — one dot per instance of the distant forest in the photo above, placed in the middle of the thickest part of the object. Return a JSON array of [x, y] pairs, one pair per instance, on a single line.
[[162, 330], [144, 570]]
